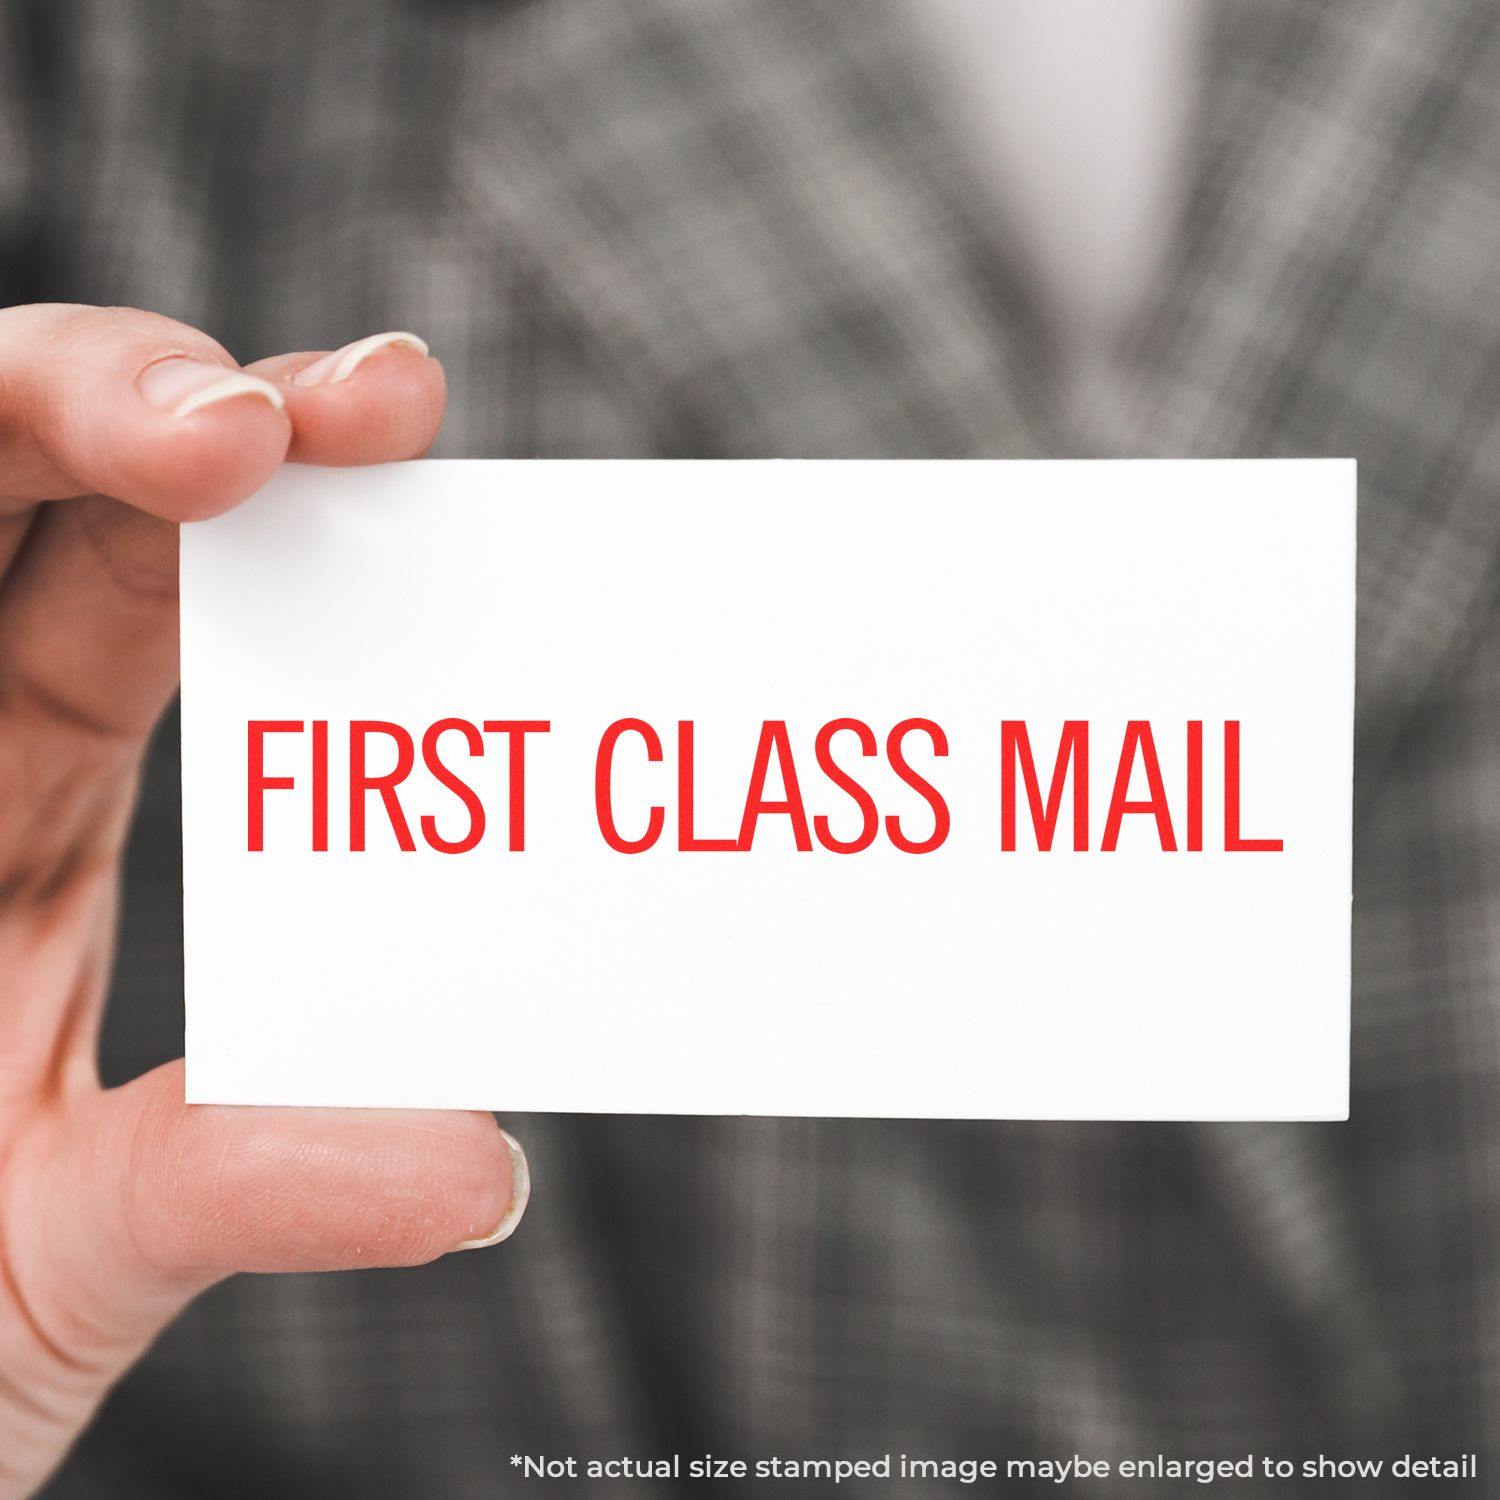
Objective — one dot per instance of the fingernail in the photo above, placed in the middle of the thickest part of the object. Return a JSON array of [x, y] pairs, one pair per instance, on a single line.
[[520, 1193], [342, 363], [182, 386]]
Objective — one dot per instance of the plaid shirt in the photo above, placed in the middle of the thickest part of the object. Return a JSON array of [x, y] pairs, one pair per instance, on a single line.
[[733, 228]]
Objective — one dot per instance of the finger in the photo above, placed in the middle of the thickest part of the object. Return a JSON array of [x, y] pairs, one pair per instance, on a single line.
[[106, 663], [135, 1202], [89, 621], [376, 400], [121, 402]]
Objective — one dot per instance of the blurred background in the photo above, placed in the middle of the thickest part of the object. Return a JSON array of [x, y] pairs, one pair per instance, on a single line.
[[903, 228]]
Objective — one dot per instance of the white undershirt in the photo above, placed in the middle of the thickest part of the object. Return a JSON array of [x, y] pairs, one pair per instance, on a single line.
[[1078, 115]]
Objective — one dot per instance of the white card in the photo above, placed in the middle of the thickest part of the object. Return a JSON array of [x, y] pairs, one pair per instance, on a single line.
[[718, 941]]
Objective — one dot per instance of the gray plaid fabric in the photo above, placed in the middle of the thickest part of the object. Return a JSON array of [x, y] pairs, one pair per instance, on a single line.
[[735, 227]]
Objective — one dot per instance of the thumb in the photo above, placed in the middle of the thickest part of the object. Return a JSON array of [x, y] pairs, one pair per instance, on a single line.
[[120, 1208]]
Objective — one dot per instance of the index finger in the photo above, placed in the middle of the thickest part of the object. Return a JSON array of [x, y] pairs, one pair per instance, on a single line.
[[120, 402]]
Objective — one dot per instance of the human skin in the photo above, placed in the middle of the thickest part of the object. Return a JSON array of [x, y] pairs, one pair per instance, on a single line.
[[117, 1206]]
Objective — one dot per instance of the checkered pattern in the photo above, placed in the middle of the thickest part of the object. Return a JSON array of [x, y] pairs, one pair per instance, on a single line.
[[735, 227]]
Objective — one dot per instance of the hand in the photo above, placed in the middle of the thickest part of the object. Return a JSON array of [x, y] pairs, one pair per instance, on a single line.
[[118, 1206]]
